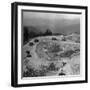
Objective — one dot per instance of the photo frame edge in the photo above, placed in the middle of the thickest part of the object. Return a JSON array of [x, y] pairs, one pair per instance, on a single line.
[[14, 48]]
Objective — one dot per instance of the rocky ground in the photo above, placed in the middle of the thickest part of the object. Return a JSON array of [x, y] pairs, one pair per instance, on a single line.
[[52, 56]]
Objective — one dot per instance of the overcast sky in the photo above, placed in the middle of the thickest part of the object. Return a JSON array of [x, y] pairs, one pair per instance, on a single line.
[[57, 22]]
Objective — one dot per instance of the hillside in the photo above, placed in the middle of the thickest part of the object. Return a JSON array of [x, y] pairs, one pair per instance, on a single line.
[[51, 56]]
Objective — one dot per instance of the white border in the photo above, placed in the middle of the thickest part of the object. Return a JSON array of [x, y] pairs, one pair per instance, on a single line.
[[82, 47]]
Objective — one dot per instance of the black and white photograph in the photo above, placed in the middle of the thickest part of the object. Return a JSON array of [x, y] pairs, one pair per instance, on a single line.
[[50, 44]]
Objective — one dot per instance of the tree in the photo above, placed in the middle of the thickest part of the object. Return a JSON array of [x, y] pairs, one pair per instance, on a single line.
[[25, 35], [48, 32]]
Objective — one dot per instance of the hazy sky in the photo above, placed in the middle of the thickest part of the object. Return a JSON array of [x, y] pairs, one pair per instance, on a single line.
[[57, 22]]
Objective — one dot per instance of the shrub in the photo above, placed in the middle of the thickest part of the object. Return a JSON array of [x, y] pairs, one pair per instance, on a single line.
[[28, 52], [61, 74], [53, 38], [52, 67], [63, 39], [31, 44], [36, 40]]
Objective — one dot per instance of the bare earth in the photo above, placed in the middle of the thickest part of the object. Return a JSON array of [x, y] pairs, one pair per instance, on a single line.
[[51, 57]]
